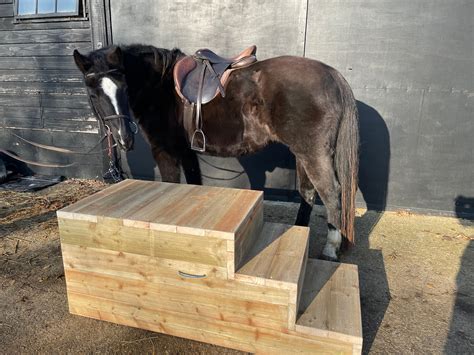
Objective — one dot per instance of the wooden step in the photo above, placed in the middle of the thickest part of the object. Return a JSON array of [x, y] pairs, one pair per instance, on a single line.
[[163, 257], [203, 224], [278, 259], [330, 303]]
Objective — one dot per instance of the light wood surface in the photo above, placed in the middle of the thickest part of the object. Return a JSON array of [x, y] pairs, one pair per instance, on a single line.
[[199, 262], [187, 209], [330, 302]]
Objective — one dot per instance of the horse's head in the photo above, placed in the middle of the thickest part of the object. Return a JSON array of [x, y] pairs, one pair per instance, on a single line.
[[104, 77]]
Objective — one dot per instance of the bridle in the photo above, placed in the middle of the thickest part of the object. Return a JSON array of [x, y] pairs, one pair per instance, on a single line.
[[132, 124], [113, 172]]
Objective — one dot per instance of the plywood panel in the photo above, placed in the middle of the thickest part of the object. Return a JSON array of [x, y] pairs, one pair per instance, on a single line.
[[276, 27]]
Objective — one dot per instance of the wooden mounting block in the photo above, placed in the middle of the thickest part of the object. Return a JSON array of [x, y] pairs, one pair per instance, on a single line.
[[199, 262]]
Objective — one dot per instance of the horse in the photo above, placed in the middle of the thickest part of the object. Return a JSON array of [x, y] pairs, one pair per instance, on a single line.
[[303, 103]]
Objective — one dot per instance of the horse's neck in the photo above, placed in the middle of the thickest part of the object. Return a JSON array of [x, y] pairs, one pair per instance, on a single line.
[[148, 87]]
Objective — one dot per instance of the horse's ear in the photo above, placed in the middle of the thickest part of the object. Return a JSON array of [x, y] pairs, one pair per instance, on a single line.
[[82, 62], [114, 57]]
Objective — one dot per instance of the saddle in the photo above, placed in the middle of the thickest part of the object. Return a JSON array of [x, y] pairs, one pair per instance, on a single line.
[[199, 78]]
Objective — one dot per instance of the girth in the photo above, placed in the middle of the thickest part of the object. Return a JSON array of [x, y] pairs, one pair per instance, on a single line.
[[198, 80]]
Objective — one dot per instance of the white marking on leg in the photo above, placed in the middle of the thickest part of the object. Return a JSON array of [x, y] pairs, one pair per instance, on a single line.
[[110, 89], [333, 243]]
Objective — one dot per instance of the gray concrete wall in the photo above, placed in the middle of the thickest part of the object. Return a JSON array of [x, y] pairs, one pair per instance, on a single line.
[[410, 64]]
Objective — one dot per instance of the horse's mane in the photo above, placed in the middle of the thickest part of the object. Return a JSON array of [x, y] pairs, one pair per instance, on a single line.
[[167, 56]]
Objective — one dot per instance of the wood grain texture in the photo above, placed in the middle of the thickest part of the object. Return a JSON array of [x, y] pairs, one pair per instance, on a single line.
[[40, 49], [162, 257], [38, 63], [229, 334], [165, 272], [45, 36], [186, 209], [158, 297], [277, 256], [330, 302], [7, 24]]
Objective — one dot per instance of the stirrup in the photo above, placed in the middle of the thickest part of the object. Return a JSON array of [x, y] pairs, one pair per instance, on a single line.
[[196, 147]]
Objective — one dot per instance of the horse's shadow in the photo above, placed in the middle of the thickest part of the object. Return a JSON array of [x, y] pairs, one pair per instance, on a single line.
[[459, 339]]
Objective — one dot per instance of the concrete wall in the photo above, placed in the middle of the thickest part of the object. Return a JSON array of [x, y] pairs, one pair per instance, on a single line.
[[410, 64]]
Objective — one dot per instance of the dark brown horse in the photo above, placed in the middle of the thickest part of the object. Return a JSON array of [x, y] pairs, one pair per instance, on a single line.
[[299, 102]]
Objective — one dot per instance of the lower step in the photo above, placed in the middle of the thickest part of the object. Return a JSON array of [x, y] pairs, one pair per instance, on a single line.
[[330, 303]]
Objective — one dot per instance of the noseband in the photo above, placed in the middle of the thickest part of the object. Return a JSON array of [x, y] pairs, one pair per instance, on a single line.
[[132, 124]]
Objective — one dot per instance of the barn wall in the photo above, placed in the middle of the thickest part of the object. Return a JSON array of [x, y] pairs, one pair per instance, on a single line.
[[42, 96], [410, 64]]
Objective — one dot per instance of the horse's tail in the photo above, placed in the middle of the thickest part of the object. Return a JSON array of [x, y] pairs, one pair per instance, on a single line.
[[347, 157]]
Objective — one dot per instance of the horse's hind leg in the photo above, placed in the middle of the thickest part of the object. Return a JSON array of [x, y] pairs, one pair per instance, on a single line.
[[307, 193], [320, 172]]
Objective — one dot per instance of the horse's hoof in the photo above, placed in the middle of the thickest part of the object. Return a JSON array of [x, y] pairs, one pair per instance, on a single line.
[[329, 258]]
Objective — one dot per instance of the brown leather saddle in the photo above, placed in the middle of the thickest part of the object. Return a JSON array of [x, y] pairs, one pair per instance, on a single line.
[[199, 78]]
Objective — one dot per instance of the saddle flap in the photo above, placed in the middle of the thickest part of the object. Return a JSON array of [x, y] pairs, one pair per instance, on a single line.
[[190, 84]]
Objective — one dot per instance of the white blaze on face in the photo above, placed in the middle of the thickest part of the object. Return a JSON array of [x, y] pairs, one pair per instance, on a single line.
[[110, 89]]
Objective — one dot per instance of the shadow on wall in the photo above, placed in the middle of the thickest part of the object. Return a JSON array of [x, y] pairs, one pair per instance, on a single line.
[[461, 332], [374, 169], [374, 165]]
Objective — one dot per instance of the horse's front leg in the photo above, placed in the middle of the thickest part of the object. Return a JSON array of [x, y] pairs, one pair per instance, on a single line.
[[169, 165], [191, 168]]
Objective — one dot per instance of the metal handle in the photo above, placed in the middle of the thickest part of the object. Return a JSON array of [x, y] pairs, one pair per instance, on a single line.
[[191, 276]]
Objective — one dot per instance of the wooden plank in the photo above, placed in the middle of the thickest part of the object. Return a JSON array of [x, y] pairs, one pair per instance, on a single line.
[[65, 101], [71, 125], [277, 256], [62, 75], [330, 302], [6, 10], [38, 63], [240, 336], [160, 297], [40, 49], [28, 100], [45, 36], [111, 234], [169, 212], [9, 112], [68, 212], [99, 25], [55, 113], [249, 231], [277, 259], [7, 24], [165, 272], [41, 87]]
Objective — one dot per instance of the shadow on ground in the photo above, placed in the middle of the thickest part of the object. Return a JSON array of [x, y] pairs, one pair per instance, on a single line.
[[461, 335]]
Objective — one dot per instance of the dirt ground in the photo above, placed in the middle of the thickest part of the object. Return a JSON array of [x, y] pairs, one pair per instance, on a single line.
[[416, 278]]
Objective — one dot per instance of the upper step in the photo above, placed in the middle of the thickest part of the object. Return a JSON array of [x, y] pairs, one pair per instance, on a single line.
[[278, 259], [211, 226], [178, 208], [330, 303]]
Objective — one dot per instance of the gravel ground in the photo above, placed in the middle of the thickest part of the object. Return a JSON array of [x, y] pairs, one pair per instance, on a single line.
[[416, 278]]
